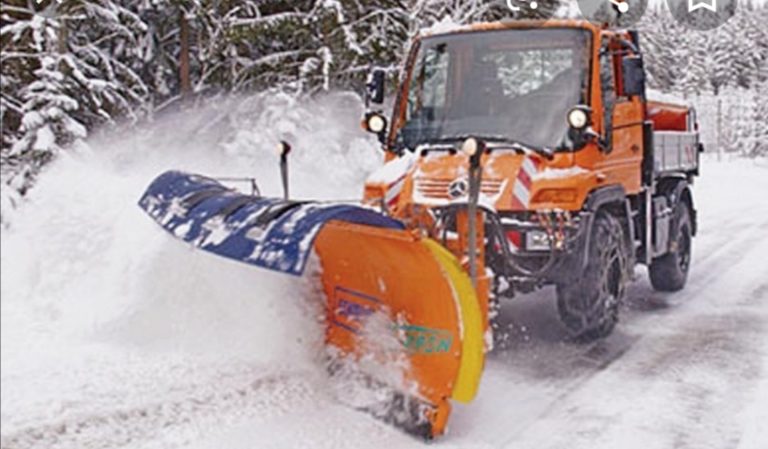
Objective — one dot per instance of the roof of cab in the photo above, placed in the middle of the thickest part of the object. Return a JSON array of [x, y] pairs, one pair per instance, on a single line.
[[442, 28]]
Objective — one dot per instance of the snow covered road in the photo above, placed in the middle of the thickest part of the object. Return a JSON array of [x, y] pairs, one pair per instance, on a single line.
[[683, 370], [116, 336]]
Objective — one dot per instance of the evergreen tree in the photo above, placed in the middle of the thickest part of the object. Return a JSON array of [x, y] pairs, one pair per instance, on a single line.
[[46, 122], [658, 43], [760, 118]]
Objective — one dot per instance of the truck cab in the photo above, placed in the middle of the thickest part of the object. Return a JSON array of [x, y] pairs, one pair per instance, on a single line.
[[572, 190]]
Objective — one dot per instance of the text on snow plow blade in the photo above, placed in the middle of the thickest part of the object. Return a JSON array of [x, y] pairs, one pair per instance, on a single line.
[[498, 179]]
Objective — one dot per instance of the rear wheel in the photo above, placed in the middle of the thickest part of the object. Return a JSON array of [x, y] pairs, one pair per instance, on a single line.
[[589, 307], [669, 272]]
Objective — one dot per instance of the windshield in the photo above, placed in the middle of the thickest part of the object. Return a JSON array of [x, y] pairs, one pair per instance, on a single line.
[[511, 84]]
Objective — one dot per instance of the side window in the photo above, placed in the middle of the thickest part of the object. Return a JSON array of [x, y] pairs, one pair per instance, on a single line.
[[427, 92]]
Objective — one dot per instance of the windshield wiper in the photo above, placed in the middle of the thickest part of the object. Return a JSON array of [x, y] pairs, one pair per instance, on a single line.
[[494, 142], [501, 143], [427, 145]]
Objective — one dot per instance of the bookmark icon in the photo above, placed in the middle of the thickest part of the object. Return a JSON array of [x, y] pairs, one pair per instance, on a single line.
[[711, 5]]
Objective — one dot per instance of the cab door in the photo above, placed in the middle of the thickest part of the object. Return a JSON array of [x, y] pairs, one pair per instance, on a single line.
[[624, 115]]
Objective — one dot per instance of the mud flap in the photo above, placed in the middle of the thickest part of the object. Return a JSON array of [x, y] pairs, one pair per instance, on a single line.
[[393, 297]]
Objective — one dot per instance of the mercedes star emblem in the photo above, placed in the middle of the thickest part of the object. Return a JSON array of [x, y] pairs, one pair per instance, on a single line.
[[458, 188]]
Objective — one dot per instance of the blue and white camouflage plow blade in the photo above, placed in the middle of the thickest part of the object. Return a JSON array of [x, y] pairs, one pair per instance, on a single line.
[[370, 266], [266, 232]]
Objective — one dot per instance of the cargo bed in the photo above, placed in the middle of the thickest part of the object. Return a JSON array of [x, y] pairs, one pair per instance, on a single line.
[[675, 138], [675, 151]]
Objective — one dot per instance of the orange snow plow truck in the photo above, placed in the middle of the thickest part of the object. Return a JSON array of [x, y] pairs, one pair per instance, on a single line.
[[518, 154]]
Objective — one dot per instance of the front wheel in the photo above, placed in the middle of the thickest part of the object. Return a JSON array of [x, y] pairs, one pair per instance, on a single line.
[[669, 272], [589, 307]]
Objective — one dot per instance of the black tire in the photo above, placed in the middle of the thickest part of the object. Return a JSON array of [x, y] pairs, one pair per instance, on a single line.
[[669, 272], [589, 307]]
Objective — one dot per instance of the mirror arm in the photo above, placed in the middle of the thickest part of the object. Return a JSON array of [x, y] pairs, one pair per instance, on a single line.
[[630, 45], [598, 139]]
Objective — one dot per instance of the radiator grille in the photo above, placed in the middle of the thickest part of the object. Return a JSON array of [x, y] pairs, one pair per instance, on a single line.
[[436, 188]]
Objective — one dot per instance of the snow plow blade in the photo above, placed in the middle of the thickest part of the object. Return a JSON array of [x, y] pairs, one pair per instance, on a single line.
[[399, 307]]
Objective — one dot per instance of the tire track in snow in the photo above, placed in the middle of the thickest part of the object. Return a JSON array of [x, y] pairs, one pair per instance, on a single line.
[[274, 394], [535, 373], [578, 366], [704, 268], [704, 357]]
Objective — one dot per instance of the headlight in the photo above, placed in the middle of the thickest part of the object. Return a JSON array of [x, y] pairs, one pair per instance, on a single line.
[[376, 123], [578, 118], [470, 146], [283, 148], [536, 241]]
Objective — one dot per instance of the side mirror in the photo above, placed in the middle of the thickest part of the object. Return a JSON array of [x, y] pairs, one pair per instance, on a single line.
[[633, 76], [375, 86], [375, 123]]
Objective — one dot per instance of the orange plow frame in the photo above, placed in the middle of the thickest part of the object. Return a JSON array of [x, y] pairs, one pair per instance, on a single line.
[[428, 298]]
